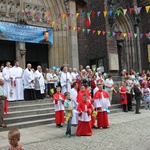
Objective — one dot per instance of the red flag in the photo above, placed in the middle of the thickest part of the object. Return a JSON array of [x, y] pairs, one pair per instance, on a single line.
[[93, 13], [131, 10], [68, 15], [119, 33], [88, 22], [146, 35]]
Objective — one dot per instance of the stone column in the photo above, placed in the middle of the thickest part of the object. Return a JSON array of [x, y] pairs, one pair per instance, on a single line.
[[21, 54], [73, 42]]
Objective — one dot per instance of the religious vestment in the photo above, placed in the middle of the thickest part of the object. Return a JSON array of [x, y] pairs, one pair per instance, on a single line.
[[17, 73], [8, 83], [84, 123], [29, 88], [39, 84], [102, 103], [65, 84], [58, 100], [73, 96], [80, 94]]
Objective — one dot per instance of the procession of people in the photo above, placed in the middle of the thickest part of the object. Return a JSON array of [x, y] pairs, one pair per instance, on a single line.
[[85, 95]]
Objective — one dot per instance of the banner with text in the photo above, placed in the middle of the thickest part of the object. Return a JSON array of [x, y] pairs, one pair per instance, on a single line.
[[25, 33]]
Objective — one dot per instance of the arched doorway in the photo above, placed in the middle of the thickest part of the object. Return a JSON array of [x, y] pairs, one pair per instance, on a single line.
[[126, 44]]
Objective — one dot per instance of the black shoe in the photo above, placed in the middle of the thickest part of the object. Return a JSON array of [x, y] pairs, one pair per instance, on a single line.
[[94, 127], [138, 112], [60, 126]]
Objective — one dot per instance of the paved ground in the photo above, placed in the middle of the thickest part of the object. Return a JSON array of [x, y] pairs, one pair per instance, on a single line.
[[128, 131]]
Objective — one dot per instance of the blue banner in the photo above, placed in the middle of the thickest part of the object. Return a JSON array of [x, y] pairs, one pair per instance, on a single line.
[[25, 33]]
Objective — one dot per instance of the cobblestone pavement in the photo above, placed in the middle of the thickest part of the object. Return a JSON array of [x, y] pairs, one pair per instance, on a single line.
[[128, 131]]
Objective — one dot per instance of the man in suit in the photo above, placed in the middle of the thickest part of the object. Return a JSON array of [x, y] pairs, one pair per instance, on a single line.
[[138, 97]]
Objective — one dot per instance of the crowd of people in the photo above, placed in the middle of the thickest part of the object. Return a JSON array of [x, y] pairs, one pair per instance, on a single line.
[[85, 95]]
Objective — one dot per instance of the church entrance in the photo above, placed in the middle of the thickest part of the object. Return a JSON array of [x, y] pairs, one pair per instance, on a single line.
[[7, 52], [37, 54]]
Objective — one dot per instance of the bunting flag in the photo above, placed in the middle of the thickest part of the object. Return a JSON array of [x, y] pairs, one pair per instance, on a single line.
[[118, 12], [93, 31], [139, 9], [68, 15], [93, 13], [83, 30], [74, 28], [119, 33], [88, 20], [103, 32], [111, 12], [131, 10], [147, 8], [141, 35], [88, 30], [77, 14], [98, 13], [79, 29], [124, 11], [130, 35], [105, 13], [83, 14], [114, 33], [135, 35], [146, 35], [53, 23], [63, 15], [124, 34], [109, 33], [98, 32]]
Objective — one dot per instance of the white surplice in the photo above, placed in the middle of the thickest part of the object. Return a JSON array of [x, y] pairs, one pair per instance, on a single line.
[[64, 81], [28, 76], [39, 81], [8, 84], [73, 96], [17, 73]]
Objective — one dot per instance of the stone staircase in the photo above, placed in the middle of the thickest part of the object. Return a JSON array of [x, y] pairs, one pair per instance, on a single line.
[[24, 114]]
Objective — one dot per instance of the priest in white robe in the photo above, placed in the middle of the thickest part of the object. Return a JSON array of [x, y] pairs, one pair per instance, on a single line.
[[17, 73], [8, 82], [73, 96], [28, 80], [65, 81], [39, 83]]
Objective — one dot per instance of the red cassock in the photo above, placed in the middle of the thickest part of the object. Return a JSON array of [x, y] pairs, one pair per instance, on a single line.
[[58, 100], [93, 84], [123, 97], [102, 103], [84, 124], [80, 94]]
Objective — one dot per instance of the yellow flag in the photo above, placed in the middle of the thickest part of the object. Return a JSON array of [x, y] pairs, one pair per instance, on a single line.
[[63, 15], [53, 23], [98, 32], [68, 115], [124, 34], [74, 28], [105, 13], [77, 14], [46, 15], [147, 8]]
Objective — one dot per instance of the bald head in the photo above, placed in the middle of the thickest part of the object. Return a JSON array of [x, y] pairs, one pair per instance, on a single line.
[[29, 66], [39, 68]]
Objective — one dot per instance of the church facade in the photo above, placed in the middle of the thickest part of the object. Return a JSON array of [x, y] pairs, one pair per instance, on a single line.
[[112, 52], [125, 44]]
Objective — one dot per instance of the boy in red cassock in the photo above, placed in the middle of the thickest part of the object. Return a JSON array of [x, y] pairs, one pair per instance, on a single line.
[[85, 109], [58, 100], [102, 103]]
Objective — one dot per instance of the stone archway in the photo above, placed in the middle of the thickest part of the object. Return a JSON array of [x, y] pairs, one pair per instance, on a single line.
[[126, 47]]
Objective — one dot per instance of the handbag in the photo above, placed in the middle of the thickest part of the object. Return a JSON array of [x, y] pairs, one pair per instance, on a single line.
[[122, 98]]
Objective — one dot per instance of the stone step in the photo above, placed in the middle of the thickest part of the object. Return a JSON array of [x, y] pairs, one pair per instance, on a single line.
[[30, 112], [28, 124], [18, 103], [30, 107], [12, 120]]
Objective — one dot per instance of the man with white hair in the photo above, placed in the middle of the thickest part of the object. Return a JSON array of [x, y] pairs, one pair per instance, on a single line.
[[87, 68], [28, 78], [65, 81], [74, 74], [39, 83]]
